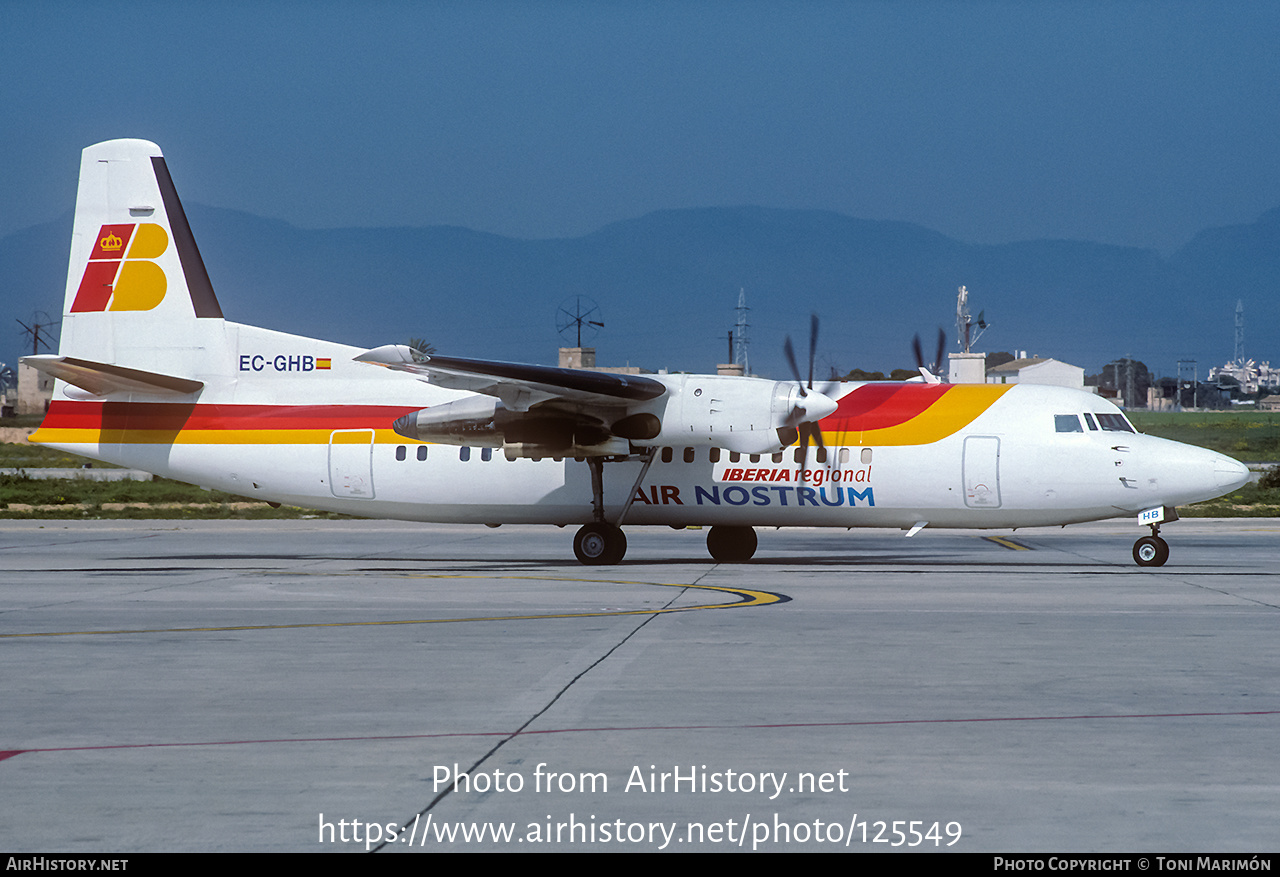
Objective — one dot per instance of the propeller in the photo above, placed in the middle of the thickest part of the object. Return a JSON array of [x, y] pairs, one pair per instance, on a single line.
[[812, 405], [933, 374]]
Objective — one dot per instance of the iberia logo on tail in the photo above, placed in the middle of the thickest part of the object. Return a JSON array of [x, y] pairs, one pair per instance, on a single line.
[[121, 274]]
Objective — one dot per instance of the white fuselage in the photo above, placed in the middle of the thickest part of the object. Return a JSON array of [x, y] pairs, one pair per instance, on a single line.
[[271, 425]]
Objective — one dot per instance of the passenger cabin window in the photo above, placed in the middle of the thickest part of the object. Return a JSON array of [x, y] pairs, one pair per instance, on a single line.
[[1066, 423], [400, 452], [464, 454], [844, 456], [667, 455], [822, 455], [422, 452], [688, 455], [866, 455], [799, 454], [734, 456], [715, 455], [486, 454], [777, 458], [1114, 423]]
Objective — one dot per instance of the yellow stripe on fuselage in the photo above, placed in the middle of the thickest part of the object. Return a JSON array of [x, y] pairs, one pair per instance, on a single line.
[[208, 437], [960, 406]]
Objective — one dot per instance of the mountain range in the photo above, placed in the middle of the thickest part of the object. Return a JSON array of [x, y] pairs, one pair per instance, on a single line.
[[667, 285]]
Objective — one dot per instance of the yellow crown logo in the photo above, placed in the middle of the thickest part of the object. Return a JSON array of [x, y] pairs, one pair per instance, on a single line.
[[111, 242]]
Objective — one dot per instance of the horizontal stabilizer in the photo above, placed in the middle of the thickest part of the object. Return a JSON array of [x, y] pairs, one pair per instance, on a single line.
[[100, 378]]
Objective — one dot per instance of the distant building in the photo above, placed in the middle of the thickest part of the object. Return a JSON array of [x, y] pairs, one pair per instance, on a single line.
[[1034, 370], [35, 390], [1269, 403], [1158, 401], [967, 368], [578, 357], [585, 359], [1251, 376]]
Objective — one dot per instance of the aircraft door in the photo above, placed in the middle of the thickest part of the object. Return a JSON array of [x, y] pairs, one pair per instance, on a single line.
[[981, 472], [351, 463]]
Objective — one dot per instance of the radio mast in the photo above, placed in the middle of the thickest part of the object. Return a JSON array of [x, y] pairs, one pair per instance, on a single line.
[[740, 334]]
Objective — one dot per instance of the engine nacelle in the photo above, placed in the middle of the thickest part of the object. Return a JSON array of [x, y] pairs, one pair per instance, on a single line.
[[483, 421], [748, 415], [469, 421]]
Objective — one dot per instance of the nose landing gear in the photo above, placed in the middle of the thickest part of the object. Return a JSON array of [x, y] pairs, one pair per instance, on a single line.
[[1151, 550]]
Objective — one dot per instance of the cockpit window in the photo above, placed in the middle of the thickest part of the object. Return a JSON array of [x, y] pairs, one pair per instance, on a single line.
[[1114, 423], [1066, 423], [1088, 419]]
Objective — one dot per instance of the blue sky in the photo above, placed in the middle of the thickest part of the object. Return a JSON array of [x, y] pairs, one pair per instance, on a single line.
[[1130, 123]]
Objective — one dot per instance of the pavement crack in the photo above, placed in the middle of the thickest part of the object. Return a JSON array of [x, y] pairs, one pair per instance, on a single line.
[[547, 706]]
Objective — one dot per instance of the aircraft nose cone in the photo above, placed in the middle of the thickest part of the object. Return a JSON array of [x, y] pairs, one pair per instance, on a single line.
[[1183, 474], [1230, 473]]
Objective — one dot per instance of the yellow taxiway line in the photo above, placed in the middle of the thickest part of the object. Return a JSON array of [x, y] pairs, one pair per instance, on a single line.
[[747, 598]]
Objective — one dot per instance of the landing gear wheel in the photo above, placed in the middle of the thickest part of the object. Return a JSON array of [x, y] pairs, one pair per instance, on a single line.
[[731, 544], [599, 544], [1151, 551]]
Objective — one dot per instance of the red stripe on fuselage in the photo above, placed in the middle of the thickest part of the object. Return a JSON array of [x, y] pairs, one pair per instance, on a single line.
[[168, 415], [877, 406]]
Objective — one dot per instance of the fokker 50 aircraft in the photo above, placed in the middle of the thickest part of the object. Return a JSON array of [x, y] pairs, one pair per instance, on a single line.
[[150, 375]]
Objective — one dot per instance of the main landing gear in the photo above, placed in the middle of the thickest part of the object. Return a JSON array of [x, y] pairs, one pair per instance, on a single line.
[[731, 544], [1151, 550], [601, 543]]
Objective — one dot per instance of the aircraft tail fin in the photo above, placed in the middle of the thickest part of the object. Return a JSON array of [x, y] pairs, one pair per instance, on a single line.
[[135, 277]]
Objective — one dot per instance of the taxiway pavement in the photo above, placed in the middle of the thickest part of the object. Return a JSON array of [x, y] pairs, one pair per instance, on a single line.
[[285, 685]]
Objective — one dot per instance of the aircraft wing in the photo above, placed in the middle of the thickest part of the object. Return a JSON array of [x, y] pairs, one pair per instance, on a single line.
[[519, 386]]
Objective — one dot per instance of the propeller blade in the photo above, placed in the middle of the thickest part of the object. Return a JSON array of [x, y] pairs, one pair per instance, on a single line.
[[813, 344], [931, 374], [803, 448], [811, 406], [791, 360]]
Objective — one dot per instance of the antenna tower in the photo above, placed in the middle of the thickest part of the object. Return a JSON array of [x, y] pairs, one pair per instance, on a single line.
[[33, 331], [964, 323], [1188, 367], [1239, 358], [576, 314], [740, 334]]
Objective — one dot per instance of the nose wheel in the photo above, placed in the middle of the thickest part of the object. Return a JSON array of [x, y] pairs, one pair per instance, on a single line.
[[1150, 551]]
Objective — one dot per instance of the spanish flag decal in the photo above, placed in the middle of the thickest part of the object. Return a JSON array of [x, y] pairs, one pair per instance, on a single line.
[[323, 363]]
